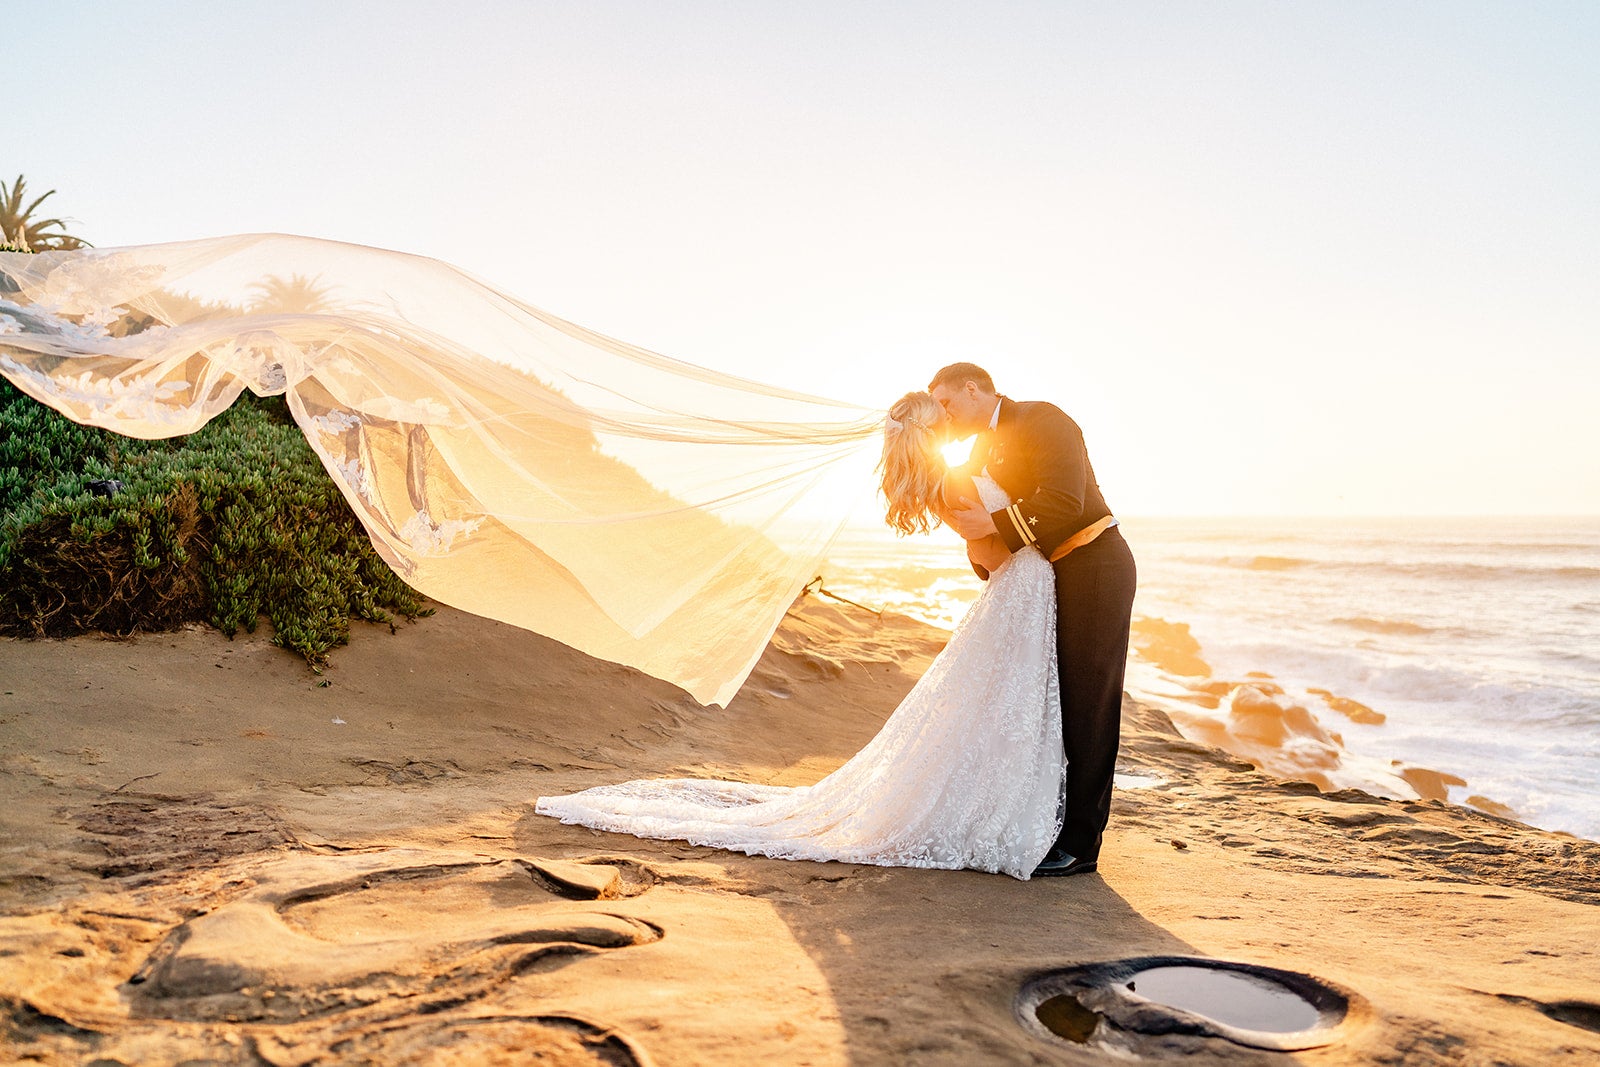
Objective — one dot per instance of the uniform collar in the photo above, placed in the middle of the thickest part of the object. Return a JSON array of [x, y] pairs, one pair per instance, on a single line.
[[989, 440]]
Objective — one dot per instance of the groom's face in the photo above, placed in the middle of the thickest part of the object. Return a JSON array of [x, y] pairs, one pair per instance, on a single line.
[[966, 407]]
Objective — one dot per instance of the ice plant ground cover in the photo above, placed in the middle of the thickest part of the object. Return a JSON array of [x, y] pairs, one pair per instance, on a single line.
[[231, 523]]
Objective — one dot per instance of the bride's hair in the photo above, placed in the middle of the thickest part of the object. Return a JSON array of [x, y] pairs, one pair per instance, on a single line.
[[912, 465]]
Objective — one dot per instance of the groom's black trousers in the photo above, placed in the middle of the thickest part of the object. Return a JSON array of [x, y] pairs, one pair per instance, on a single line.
[[1094, 605]]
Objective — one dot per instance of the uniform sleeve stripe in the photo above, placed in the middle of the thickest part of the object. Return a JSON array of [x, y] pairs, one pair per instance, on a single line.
[[1021, 524]]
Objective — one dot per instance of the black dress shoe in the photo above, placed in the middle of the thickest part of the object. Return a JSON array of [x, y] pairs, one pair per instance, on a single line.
[[1059, 864]]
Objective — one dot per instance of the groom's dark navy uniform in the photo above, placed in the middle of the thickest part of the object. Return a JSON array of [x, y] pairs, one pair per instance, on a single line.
[[1035, 452]]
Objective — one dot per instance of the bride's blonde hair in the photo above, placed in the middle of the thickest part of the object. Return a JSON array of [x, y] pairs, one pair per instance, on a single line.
[[912, 465]]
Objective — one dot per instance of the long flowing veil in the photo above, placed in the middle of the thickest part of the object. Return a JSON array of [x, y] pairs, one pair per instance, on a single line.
[[640, 509]]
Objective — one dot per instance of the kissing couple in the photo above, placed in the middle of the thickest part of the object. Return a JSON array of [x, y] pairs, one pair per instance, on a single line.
[[1001, 757]]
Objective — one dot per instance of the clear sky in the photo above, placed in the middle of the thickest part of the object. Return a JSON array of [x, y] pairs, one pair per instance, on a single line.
[[1276, 258]]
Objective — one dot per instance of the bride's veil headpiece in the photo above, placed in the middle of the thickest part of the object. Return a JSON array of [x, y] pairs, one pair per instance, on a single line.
[[504, 461]]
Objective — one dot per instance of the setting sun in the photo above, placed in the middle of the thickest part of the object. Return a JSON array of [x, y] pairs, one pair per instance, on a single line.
[[956, 452]]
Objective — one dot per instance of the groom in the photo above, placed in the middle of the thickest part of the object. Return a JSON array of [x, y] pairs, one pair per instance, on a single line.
[[1036, 454]]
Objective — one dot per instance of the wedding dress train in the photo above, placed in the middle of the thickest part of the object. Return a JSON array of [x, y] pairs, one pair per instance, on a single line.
[[966, 773]]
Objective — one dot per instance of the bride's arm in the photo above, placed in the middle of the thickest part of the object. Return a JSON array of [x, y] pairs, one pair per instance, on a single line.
[[986, 553]]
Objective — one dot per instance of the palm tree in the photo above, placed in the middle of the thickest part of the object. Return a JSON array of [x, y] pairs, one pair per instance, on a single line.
[[19, 229]]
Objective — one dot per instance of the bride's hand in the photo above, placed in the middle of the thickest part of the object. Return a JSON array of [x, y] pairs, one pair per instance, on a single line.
[[971, 521], [988, 552]]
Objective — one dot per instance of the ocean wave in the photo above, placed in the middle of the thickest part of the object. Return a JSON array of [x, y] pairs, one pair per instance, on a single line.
[[1478, 707], [1278, 563], [1576, 722], [1429, 569], [1314, 541], [1387, 626], [1511, 736], [1583, 658]]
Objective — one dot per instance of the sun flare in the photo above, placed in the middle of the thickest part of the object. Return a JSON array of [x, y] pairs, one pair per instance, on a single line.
[[956, 452]]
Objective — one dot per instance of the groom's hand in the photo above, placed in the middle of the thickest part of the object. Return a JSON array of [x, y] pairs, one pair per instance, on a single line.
[[971, 521]]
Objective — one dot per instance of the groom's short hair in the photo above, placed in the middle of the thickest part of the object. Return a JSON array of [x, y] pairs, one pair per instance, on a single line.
[[957, 374]]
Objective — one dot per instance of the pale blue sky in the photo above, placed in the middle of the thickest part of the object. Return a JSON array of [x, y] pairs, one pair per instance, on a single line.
[[1314, 258]]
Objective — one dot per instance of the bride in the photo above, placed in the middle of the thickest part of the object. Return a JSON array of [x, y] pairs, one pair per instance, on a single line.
[[966, 773]]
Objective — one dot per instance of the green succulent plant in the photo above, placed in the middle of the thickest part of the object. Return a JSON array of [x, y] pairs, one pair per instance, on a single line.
[[236, 522]]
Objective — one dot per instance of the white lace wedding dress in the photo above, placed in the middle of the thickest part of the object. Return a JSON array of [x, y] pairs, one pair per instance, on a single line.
[[966, 773]]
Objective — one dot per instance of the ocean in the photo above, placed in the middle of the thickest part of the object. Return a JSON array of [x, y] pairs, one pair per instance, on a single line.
[[1476, 642]]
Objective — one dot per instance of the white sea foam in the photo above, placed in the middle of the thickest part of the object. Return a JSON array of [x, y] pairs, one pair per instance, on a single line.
[[1479, 639]]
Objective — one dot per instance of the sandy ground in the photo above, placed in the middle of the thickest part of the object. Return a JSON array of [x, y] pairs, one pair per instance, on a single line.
[[208, 853]]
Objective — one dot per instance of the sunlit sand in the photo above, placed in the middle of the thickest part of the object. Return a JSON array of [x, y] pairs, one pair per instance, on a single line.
[[210, 854]]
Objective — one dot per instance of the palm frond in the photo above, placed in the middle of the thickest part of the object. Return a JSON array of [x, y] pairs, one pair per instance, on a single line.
[[35, 205], [17, 221]]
